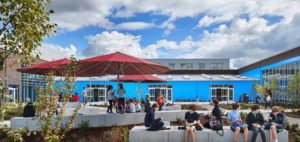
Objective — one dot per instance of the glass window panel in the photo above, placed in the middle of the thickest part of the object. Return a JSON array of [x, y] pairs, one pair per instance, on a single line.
[[186, 66], [171, 65], [201, 66]]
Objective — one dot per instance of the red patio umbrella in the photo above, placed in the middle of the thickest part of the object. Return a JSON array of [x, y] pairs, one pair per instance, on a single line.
[[45, 68], [139, 79], [119, 64]]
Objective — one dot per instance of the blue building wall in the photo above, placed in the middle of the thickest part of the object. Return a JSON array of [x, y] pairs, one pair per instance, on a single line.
[[181, 89], [257, 73]]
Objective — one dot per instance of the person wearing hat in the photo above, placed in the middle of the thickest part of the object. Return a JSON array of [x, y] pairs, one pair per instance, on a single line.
[[255, 121]]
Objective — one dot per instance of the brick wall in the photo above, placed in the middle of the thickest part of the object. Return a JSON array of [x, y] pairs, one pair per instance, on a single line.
[[14, 77]]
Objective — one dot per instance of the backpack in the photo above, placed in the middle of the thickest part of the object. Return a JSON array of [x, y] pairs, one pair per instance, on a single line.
[[217, 126]]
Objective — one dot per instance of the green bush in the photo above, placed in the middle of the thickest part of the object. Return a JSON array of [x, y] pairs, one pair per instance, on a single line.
[[11, 110], [297, 138], [178, 121], [83, 126]]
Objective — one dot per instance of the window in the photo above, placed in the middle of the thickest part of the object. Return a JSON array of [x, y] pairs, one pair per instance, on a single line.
[[222, 92], [216, 66], [186, 66], [201, 66], [156, 90], [171, 65], [97, 93]]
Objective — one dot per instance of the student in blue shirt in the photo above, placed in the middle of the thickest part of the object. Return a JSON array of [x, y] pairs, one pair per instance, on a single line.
[[236, 123]]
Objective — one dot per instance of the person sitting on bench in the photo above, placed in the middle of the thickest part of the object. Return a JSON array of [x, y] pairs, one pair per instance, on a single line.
[[29, 110], [149, 121], [191, 119], [255, 121], [275, 124]]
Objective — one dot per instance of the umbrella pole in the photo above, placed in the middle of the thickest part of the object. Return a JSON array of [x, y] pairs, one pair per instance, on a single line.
[[139, 91]]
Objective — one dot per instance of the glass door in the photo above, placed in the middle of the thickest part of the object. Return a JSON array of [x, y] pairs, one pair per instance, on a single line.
[[222, 92], [12, 94]]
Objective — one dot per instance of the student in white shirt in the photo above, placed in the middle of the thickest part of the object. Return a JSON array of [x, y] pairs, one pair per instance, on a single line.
[[131, 106], [138, 107]]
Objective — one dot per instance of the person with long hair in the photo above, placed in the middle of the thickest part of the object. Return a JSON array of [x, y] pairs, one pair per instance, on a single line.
[[216, 113], [121, 100], [110, 97]]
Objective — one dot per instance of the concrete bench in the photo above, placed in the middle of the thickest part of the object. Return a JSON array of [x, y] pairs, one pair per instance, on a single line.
[[175, 107], [100, 119], [70, 104], [139, 133]]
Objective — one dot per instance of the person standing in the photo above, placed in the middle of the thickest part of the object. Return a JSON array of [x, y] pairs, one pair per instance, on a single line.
[[268, 101], [159, 102], [84, 95], [110, 97], [255, 121], [147, 103], [257, 98], [76, 97], [121, 101]]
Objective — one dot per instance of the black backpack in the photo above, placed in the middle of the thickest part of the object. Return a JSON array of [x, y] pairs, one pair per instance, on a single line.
[[217, 126]]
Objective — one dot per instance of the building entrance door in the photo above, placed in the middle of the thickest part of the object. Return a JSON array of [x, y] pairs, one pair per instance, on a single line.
[[223, 93], [12, 94]]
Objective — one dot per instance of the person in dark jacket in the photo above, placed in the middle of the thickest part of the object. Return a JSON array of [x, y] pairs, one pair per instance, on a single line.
[[216, 113], [151, 123], [255, 121], [147, 102], [276, 123], [29, 110]]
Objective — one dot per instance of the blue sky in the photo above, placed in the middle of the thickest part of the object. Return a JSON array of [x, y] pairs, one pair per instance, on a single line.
[[175, 28]]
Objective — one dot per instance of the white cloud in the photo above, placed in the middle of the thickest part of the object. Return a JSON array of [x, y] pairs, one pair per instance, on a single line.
[[208, 20], [50, 52], [75, 14], [108, 42], [134, 26], [244, 42]]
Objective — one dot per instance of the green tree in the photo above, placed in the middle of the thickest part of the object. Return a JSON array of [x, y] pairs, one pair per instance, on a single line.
[[47, 104], [23, 24], [294, 87]]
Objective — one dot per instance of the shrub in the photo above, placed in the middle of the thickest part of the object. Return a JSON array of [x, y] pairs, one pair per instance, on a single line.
[[243, 115], [287, 126], [294, 128], [297, 138], [178, 121], [84, 126]]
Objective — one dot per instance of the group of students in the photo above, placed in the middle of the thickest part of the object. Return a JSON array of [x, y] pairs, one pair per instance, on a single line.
[[128, 105], [254, 122]]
